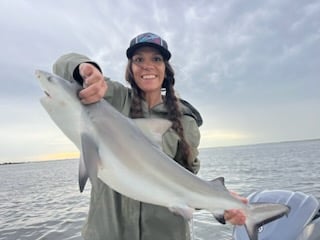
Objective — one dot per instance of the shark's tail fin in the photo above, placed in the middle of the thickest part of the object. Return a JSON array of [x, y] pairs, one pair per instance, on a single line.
[[263, 213], [258, 214]]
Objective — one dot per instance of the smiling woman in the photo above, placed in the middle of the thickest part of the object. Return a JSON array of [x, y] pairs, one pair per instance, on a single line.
[[151, 95]]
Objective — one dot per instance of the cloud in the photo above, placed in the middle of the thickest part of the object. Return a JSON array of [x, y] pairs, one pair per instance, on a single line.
[[250, 68]]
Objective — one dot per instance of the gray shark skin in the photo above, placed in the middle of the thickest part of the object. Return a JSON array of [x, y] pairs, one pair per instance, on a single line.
[[130, 161]]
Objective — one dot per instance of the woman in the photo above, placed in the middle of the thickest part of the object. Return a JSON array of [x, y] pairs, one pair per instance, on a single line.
[[112, 215]]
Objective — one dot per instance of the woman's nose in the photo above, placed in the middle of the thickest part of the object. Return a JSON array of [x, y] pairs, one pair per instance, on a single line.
[[147, 64]]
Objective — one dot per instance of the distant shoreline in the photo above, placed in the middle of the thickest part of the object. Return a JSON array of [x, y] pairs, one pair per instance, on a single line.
[[264, 143], [11, 163], [14, 163]]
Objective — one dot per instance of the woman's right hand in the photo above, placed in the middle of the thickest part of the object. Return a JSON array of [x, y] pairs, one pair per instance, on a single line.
[[95, 87]]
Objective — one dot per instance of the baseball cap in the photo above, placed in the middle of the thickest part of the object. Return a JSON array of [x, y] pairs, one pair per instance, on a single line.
[[150, 40]]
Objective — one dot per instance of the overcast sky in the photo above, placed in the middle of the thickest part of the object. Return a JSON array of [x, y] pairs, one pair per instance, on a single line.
[[250, 67]]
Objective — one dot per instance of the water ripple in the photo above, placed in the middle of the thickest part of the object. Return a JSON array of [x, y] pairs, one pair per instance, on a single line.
[[41, 201]]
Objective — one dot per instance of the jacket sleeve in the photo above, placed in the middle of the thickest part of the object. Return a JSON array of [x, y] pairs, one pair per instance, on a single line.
[[67, 67]]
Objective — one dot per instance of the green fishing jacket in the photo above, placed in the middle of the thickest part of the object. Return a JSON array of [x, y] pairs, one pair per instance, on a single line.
[[113, 216]]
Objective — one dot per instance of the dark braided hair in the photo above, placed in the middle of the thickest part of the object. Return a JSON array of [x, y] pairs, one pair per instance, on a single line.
[[170, 102]]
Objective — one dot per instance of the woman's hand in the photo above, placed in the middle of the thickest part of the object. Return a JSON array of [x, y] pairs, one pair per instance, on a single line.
[[94, 84], [236, 216]]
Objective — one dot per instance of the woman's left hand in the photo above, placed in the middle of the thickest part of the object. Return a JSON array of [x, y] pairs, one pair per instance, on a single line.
[[236, 216]]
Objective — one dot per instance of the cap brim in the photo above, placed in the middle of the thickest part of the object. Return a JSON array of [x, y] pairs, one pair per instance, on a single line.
[[165, 53]]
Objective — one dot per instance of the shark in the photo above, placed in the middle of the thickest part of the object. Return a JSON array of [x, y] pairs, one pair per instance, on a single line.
[[126, 155]]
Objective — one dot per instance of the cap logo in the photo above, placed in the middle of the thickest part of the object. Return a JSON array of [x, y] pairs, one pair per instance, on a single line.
[[149, 38]]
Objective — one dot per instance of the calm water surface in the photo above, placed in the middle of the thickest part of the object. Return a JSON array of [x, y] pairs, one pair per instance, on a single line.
[[41, 201]]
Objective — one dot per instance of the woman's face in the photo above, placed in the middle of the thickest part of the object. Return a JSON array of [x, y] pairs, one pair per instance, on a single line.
[[148, 69]]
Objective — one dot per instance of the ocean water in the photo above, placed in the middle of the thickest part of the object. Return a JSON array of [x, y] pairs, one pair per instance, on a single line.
[[41, 201]]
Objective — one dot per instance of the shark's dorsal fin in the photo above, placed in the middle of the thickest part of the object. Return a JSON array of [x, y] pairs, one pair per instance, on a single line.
[[153, 128], [218, 183]]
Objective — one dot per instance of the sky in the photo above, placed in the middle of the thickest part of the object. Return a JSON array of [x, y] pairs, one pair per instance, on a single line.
[[250, 67]]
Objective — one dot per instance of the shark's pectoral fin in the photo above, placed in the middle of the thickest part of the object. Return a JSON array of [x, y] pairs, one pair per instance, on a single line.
[[89, 161], [183, 210], [153, 128]]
